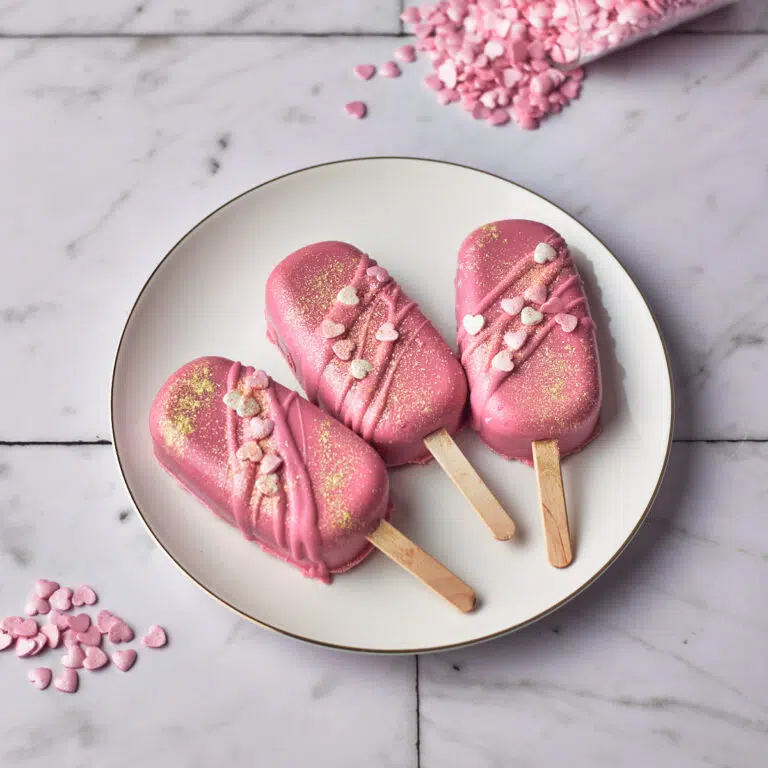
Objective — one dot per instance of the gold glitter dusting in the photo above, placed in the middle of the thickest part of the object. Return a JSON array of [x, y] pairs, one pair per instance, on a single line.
[[337, 474], [190, 394]]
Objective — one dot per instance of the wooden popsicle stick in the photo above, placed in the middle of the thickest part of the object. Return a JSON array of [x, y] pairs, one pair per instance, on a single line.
[[449, 456], [424, 567], [549, 478]]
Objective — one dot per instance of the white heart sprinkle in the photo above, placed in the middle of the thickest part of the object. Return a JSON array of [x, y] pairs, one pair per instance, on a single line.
[[360, 368], [331, 330], [512, 306], [531, 316], [515, 339], [473, 324], [267, 485], [344, 349], [233, 399], [247, 408], [348, 295], [503, 361], [387, 332], [250, 451], [544, 252]]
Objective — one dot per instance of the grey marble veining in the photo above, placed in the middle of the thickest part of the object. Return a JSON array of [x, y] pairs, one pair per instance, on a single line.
[[35, 17], [223, 692], [663, 157], [661, 663]]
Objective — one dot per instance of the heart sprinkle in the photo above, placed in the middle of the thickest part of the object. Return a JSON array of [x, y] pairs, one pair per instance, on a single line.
[[360, 368], [390, 69], [52, 632], [515, 339], [267, 485], [364, 71], [512, 306], [356, 109], [348, 295], [530, 316], [91, 637], [543, 253], [120, 632], [37, 605], [406, 53], [45, 588], [261, 428], [331, 330], [257, 380], [536, 293], [40, 677], [124, 660], [250, 451], [61, 599], [67, 681], [272, 462], [74, 658], [344, 349], [6, 641], [567, 322], [377, 272], [79, 623], [473, 324], [155, 637], [503, 361], [387, 332], [95, 658], [84, 595]]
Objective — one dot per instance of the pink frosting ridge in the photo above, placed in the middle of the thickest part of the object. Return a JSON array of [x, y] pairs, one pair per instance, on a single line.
[[363, 350], [533, 366], [289, 477]]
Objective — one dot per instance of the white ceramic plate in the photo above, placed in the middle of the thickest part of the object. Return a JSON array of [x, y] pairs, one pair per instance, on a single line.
[[411, 215]]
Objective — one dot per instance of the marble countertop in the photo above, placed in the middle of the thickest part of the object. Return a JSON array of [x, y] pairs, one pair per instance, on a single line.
[[123, 123]]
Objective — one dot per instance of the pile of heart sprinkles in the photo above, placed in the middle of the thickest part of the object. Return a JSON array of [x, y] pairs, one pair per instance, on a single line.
[[79, 633], [495, 57]]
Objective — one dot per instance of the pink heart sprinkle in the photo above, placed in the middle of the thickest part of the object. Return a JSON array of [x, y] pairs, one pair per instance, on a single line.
[[344, 349], [37, 605], [84, 595], [124, 660], [26, 628], [365, 71], [387, 332], [515, 339], [45, 588], [10, 624], [258, 380], [389, 69], [51, 631], [61, 599], [378, 272], [41, 642], [95, 658], [6, 641], [261, 428], [120, 632], [155, 637], [512, 306], [80, 622], [536, 293], [406, 53], [67, 681], [69, 638], [356, 109], [567, 322], [270, 463], [40, 677], [74, 658], [58, 619], [90, 637], [25, 646], [331, 330], [553, 306], [105, 621], [499, 116]]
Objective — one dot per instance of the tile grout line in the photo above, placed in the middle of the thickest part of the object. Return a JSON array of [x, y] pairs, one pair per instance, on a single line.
[[418, 715]]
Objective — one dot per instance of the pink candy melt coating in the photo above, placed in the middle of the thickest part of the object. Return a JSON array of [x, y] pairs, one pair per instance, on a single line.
[[554, 390], [332, 489], [415, 385]]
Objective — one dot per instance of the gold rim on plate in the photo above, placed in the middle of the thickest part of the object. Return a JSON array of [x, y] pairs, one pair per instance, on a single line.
[[405, 651]]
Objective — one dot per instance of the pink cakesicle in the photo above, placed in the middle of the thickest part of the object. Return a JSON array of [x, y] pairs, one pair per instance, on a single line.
[[396, 383], [320, 509], [527, 342]]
